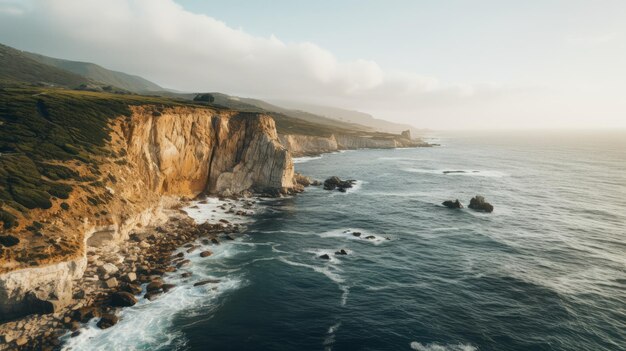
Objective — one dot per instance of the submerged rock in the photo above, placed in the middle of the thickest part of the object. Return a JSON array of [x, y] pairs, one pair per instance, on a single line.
[[205, 253], [357, 234], [452, 204], [478, 203], [341, 252], [325, 257]]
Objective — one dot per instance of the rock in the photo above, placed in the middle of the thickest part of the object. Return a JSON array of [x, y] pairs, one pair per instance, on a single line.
[[341, 252], [357, 234], [183, 263], [152, 295], [9, 240], [205, 253], [370, 237], [75, 334], [122, 299], [334, 182], [186, 275], [302, 179], [478, 203], [208, 281], [452, 204], [21, 341], [224, 221], [108, 268], [107, 320], [130, 277], [215, 241], [228, 237], [111, 283], [448, 172], [131, 288], [79, 295], [325, 257], [84, 314], [154, 286], [168, 287]]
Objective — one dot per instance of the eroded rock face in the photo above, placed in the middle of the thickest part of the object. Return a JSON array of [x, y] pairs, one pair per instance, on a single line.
[[187, 151]]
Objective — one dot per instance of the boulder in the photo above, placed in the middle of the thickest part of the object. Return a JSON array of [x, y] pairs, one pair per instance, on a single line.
[[370, 237], [452, 204], [131, 288], [325, 257], [334, 182], [111, 283], [122, 299], [168, 287], [341, 252], [151, 295], [130, 277], [478, 203], [357, 234], [107, 268], [107, 320], [154, 286], [205, 253], [84, 314]]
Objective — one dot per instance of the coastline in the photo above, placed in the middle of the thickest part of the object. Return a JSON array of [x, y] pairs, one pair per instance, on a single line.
[[145, 258], [92, 292]]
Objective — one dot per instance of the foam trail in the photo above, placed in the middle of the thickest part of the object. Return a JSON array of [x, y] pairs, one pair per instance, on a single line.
[[304, 159], [417, 346]]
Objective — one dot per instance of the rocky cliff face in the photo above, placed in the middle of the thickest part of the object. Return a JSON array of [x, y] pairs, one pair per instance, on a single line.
[[188, 151], [156, 156], [303, 145]]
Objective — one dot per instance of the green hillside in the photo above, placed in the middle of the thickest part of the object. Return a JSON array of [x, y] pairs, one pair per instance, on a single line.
[[100, 74], [17, 67]]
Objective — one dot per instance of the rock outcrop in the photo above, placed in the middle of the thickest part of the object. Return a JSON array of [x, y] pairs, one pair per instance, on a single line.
[[453, 204], [478, 203], [334, 182]]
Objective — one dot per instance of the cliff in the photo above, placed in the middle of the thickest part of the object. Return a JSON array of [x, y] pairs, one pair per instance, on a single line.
[[306, 145], [152, 156]]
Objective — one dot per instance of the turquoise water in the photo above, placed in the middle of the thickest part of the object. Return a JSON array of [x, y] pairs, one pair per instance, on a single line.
[[545, 271]]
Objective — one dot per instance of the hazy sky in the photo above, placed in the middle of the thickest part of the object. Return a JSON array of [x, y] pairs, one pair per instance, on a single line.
[[436, 64]]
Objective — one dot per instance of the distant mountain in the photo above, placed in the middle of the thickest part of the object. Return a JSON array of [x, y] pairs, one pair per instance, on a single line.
[[18, 67], [350, 116], [100, 74]]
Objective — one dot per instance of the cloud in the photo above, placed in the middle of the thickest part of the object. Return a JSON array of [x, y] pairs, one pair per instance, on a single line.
[[160, 40]]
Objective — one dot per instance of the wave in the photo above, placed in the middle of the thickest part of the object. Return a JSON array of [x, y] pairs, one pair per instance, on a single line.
[[417, 346], [213, 209], [329, 270]]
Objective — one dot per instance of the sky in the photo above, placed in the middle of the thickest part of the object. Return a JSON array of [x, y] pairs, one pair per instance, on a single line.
[[483, 64]]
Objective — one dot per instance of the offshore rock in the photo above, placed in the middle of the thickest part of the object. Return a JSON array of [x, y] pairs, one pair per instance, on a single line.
[[453, 204], [334, 182], [478, 203]]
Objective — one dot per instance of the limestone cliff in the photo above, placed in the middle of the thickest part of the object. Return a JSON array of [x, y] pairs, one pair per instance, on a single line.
[[303, 145], [154, 156]]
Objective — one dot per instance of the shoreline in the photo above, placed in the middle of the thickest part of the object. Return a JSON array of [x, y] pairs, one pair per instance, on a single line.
[[128, 266], [92, 292]]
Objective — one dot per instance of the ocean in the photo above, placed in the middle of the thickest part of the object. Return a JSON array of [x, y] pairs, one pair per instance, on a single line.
[[545, 271]]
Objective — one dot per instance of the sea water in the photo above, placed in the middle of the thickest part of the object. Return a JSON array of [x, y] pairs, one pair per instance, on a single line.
[[545, 271]]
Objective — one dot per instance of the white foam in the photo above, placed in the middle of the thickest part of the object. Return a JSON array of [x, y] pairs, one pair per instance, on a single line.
[[148, 324], [347, 233], [417, 346], [325, 270], [358, 184], [305, 159], [211, 210], [455, 172]]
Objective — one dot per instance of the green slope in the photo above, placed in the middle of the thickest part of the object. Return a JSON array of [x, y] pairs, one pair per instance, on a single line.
[[17, 67], [100, 74]]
